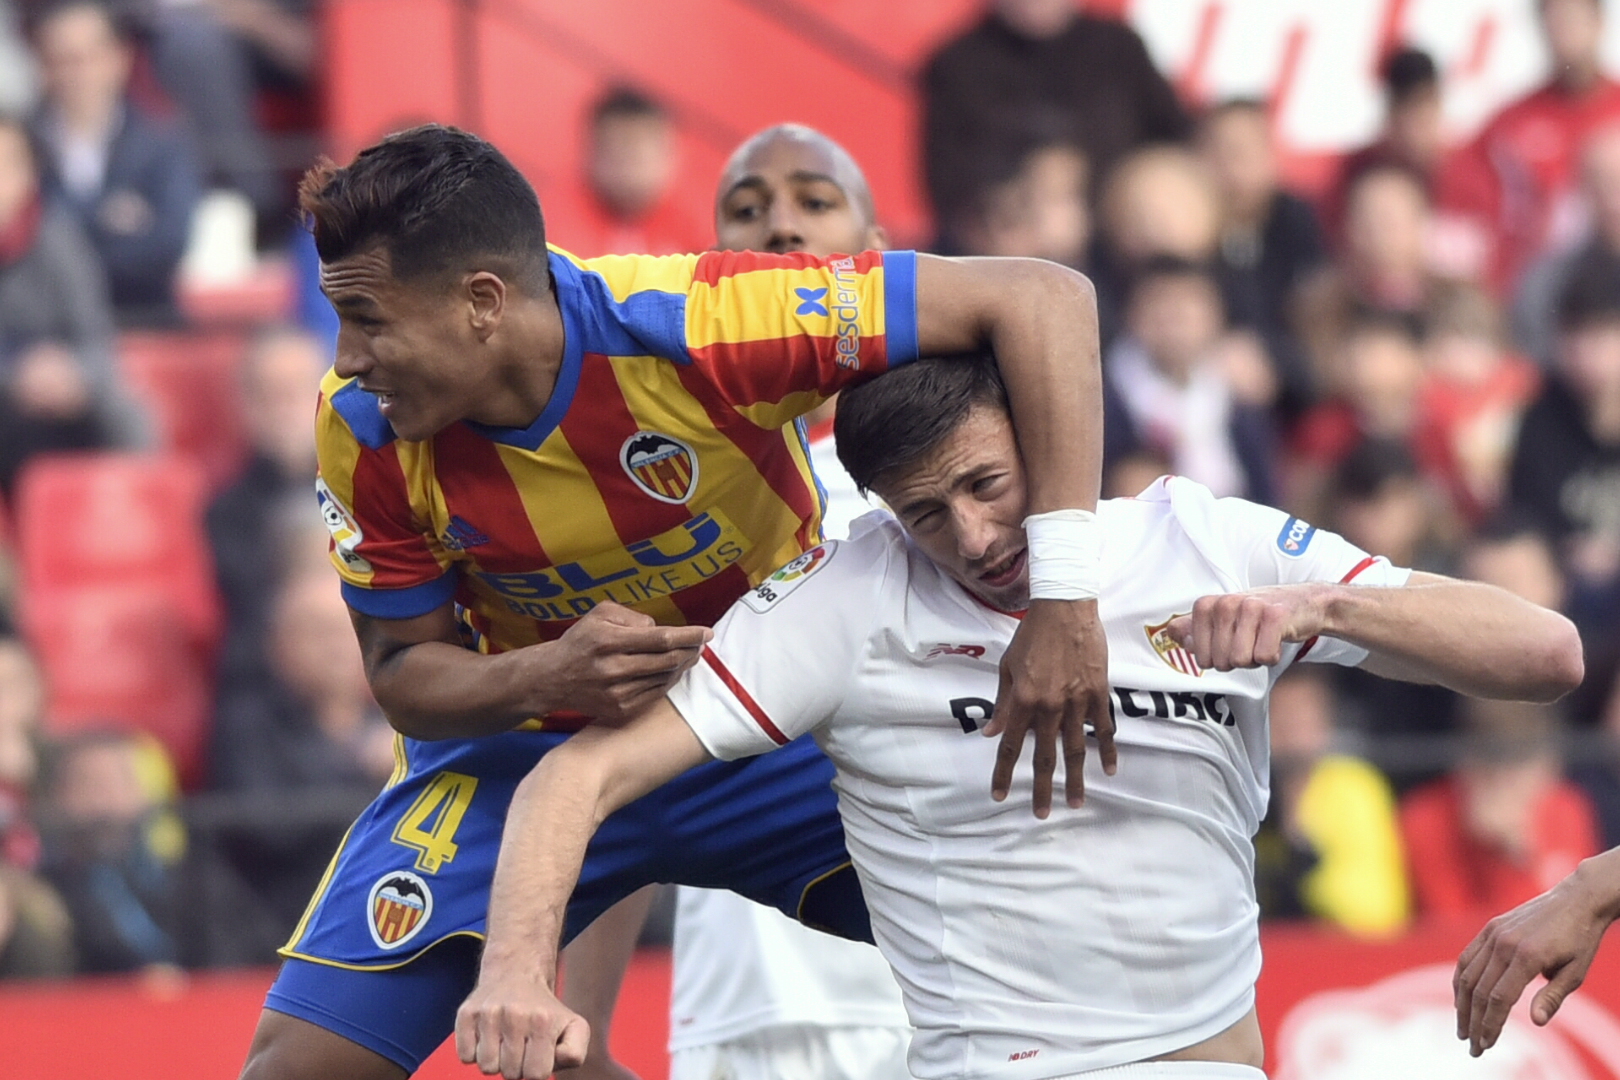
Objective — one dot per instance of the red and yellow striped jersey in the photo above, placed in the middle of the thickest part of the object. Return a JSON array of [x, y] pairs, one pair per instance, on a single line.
[[666, 472]]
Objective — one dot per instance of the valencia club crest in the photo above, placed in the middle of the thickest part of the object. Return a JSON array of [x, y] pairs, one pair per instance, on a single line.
[[399, 906], [662, 466]]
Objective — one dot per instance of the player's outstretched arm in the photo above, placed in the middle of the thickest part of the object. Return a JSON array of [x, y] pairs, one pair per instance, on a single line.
[[1556, 935], [1040, 319], [611, 664], [512, 1023], [1471, 637]]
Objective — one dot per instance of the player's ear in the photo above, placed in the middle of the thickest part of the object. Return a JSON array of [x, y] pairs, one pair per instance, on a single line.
[[877, 238], [486, 302]]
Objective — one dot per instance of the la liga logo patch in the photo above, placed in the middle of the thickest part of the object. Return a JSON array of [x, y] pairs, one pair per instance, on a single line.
[[661, 466], [790, 577], [399, 905]]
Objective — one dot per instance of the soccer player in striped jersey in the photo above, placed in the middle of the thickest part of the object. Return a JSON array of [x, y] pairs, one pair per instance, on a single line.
[[754, 995], [544, 479]]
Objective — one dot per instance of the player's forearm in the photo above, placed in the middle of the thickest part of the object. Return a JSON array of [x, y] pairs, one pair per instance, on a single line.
[[1045, 342], [435, 690], [1473, 638], [553, 815]]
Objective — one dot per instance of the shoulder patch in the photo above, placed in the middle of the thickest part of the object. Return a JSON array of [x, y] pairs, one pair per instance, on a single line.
[[345, 530], [775, 588], [1295, 537]]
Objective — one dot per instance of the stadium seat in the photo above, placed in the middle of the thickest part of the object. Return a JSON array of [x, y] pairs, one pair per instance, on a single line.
[[190, 384], [118, 594], [117, 655]]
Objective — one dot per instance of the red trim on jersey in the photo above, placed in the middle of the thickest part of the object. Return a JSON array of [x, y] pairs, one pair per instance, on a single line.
[[1355, 572], [744, 697], [982, 602], [478, 488]]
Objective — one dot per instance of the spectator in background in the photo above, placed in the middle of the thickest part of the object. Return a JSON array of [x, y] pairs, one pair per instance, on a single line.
[[1599, 778], [1041, 209], [1505, 825], [1158, 201], [1377, 499], [58, 386], [212, 57], [1514, 183], [1173, 389], [111, 847], [36, 936], [131, 179], [631, 164], [1535, 305], [281, 378], [1330, 847], [313, 723], [1566, 468], [1411, 138], [1269, 238], [1474, 392], [1383, 267], [1091, 76]]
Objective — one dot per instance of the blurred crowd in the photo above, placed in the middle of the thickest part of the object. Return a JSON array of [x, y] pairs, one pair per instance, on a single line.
[[1423, 355]]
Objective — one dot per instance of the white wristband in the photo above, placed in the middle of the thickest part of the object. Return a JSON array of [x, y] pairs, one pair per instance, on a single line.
[[1065, 555]]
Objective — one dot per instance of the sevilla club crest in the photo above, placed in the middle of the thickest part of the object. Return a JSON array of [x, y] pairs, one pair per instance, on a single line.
[[1169, 651], [662, 466], [399, 906]]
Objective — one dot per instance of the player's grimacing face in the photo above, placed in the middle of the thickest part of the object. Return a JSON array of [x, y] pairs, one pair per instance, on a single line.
[[964, 506], [792, 195], [407, 342]]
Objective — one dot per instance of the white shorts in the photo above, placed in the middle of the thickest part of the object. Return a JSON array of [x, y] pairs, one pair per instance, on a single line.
[[1172, 1070], [799, 1052]]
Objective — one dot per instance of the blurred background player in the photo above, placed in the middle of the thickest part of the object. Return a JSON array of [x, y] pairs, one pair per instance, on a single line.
[[754, 994], [626, 199]]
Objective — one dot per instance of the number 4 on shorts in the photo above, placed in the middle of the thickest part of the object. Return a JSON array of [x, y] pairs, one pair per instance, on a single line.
[[430, 824]]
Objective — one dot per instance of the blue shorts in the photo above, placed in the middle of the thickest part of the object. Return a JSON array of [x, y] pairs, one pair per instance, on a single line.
[[413, 875]]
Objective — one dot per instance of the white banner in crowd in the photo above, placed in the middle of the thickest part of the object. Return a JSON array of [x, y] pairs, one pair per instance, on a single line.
[[1318, 58]]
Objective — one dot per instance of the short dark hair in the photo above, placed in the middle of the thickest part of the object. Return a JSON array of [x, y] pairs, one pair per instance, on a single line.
[[888, 424], [1591, 292], [1408, 71], [438, 199], [624, 102]]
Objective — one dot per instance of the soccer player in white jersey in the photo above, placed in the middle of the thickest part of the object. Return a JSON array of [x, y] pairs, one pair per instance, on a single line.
[[755, 995], [1116, 940]]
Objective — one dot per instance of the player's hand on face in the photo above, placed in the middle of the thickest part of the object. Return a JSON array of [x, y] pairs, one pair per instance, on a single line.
[[615, 662], [1249, 629], [512, 1025], [1054, 680]]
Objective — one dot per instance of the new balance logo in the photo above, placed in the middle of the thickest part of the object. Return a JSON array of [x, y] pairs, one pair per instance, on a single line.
[[462, 535], [811, 301]]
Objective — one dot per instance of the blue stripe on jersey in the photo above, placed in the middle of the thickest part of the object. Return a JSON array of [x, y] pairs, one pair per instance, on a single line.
[[900, 306], [645, 323], [359, 410], [406, 603]]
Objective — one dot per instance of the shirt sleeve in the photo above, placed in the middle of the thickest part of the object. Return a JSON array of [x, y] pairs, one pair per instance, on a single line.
[[390, 569], [777, 335], [783, 658], [1271, 547]]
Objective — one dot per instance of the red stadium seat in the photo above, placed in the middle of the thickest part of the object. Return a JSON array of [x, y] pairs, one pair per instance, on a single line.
[[118, 593], [119, 655], [190, 382]]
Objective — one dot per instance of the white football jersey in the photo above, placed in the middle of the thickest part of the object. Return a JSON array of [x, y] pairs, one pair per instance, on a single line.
[[741, 967], [1025, 949]]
